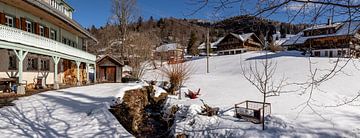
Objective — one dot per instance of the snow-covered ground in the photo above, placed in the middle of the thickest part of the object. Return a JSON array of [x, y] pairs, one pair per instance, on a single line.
[[224, 86], [72, 112]]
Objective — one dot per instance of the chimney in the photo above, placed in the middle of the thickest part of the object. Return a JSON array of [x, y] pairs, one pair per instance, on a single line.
[[329, 20]]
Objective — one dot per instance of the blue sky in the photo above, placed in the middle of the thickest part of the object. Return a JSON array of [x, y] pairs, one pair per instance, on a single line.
[[97, 12]]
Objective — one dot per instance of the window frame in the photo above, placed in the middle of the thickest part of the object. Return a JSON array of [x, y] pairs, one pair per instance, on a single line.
[[53, 34], [41, 30], [44, 64], [29, 26], [32, 64], [7, 17], [13, 62]]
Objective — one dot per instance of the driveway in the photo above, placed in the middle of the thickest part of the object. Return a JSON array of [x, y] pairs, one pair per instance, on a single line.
[[72, 112]]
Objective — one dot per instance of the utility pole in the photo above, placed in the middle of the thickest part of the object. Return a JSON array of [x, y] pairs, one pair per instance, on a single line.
[[207, 50]]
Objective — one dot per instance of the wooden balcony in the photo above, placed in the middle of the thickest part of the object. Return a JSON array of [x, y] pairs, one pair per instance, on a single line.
[[27, 39]]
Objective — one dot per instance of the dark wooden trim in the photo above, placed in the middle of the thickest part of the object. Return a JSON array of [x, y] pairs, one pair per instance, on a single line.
[[2, 18], [17, 23], [47, 31], [23, 23]]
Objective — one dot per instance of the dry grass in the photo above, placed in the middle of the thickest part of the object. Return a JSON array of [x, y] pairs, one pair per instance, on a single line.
[[177, 74]]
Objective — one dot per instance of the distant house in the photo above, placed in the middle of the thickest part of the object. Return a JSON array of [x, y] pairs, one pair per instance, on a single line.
[[173, 52], [328, 40], [108, 69], [236, 44], [213, 46]]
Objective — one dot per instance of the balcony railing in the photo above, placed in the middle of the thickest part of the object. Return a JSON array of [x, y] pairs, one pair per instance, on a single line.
[[19, 36]]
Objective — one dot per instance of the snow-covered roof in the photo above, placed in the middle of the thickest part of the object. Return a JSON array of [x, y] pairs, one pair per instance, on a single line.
[[322, 26], [212, 45], [168, 47], [242, 37], [101, 57], [280, 41], [348, 28]]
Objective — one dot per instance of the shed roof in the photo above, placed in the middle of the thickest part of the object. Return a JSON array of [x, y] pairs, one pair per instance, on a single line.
[[111, 58]]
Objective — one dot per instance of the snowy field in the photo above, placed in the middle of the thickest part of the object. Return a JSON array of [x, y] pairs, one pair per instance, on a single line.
[[73, 112], [224, 86]]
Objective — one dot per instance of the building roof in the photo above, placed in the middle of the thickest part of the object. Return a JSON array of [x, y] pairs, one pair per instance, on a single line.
[[168, 47], [48, 8], [345, 29], [102, 57], [212, 45], [243, 37], [323, 26]]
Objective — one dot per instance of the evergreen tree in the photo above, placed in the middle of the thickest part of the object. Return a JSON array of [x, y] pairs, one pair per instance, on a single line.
[[191, 48], [139, 23]]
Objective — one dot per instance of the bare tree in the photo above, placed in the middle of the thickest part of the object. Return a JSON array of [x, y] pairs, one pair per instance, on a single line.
[[261, 75], [140, 52], [124, 12]]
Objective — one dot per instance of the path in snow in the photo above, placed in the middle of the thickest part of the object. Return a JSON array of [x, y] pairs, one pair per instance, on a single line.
[[73, 112]]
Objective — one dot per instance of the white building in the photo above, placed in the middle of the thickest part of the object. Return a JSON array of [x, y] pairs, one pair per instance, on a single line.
[[39, 40]]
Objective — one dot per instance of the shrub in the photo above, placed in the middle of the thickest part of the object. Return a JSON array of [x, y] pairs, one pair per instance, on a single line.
[[177, 74]]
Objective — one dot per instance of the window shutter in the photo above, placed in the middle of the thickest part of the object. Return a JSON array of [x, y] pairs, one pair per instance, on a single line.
[[46, 32], [37, 28], [2, 18], [17, 23], [23, 23]]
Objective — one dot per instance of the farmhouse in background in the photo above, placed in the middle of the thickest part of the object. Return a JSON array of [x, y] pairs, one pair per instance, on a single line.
[[40, 44], [213, 46], [109, 69], [329, 40], [173, 53], [236, 44], [278, 40]]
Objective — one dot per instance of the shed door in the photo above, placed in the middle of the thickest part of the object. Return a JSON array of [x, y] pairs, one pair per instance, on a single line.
[[110, 74]]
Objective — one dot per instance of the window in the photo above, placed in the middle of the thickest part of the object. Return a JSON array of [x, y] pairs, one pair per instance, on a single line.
[[45, 64], [32, 64], [42, 30], [317, 53], [52, 3], [64, 40], [326, 54], [12, 62], [53, 34], [9, 21], [29, 27]]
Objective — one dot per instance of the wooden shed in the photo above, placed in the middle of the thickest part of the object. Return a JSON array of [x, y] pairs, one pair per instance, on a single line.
[[109, 69]]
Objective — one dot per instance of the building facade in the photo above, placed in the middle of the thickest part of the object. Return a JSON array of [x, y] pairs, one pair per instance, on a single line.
[[39, 39], [212, 49], [237, 44], [328, 40]]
